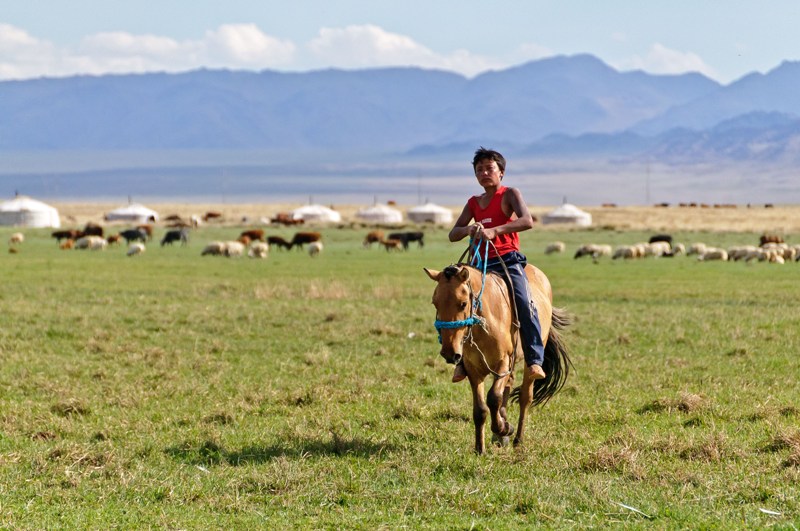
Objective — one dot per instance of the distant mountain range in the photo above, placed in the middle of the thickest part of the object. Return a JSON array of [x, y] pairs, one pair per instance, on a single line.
[[558, 109]]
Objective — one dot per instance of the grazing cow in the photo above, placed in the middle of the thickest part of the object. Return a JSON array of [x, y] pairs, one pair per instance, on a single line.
[[302, 238], [258, 250], [406, 237], [661, 238], [770, 238], [92, 229], [214, 249], [66, 235], [314, 248], [278, 241], [555, 247], [374, 236], [113, 239], [181, 235], [284, 218], [392, 245], [212, 215], [135, 248], [253, 235], [16, 238], [132, 235]]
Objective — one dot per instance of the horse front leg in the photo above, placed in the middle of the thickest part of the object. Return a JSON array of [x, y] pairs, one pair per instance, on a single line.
[[498, 395], [479, 413]]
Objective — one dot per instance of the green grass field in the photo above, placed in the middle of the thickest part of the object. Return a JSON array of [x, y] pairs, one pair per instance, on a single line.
[[186, 392]]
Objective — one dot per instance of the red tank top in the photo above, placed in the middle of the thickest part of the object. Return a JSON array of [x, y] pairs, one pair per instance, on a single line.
[[493, 216]]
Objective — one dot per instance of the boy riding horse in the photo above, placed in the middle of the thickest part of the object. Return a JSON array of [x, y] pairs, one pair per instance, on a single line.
[[497, 216]]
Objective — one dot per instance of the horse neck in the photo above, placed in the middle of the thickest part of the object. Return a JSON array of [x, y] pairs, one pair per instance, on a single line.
[[495, 301]]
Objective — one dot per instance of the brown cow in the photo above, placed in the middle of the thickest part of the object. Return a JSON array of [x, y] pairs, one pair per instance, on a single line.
[[70, 234], [392, 245], [770, 238], [301, 238], [253, 234], [212, 215], [374, 236], [284, 218], [92, 229], [279, 242]]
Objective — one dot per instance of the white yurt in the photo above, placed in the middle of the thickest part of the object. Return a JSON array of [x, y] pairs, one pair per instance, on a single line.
[[22, 211], [380, 214], [430, 213], [316, 213], [134, 213], [569, 214]]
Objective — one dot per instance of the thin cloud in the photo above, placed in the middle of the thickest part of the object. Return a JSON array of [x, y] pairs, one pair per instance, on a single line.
[[369, 46], [236, 46], [663, 60]]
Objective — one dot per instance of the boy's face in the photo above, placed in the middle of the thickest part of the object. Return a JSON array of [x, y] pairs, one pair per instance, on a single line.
[[488, 173]]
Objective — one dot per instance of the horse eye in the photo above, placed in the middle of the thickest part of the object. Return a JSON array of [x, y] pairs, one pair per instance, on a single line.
[[463, 305]]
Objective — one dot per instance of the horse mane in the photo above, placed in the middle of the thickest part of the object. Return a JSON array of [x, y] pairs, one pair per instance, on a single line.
[[451, 271]]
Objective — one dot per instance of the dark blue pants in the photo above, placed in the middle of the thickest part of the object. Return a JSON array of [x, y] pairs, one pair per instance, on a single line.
[[530, 330]]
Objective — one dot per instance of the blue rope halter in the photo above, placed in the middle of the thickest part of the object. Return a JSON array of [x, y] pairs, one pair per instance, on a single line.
[[480, 264]]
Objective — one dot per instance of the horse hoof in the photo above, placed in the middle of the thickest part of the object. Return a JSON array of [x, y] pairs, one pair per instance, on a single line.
[[503, 440]]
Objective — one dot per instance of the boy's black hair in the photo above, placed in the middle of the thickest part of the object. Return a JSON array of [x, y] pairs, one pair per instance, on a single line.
[[489, 154]]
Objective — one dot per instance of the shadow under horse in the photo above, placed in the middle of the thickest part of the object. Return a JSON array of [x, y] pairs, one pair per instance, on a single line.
[[477, 325]]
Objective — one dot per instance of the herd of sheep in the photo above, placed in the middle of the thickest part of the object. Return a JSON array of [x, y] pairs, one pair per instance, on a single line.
[[772, 249]]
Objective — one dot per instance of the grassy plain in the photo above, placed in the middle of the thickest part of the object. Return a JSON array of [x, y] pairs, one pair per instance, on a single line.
[[179, 391]]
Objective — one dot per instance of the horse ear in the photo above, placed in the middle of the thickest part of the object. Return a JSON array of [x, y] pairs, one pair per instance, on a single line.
[[433, 273], [463, 274]]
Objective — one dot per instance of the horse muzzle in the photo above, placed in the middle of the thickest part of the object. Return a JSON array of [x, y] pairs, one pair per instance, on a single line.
[[450, 356]]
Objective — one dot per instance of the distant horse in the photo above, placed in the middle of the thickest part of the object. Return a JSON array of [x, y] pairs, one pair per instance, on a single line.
[[476, 323]]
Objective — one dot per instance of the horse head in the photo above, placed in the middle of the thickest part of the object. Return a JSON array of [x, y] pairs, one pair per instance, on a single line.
[[453, 299]]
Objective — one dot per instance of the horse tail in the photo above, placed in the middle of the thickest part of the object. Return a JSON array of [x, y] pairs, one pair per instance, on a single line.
[[556, 362]]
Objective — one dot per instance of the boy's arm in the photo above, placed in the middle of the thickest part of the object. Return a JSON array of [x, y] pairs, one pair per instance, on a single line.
[[462, 228], [524, 219]]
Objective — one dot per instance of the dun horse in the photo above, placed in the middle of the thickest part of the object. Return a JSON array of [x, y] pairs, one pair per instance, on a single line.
[[477, 324]]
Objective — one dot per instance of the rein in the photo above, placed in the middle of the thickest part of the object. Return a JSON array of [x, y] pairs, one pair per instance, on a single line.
[[480, 263]]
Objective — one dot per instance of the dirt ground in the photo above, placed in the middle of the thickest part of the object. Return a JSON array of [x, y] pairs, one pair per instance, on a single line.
[[778, 219]]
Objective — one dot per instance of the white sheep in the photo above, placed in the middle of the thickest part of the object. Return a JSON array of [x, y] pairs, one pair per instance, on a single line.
[[314, 248], [214, 249], [135, 248], [234, 249], [258, 250], [594, 250], [741, 252], [657, 249], [555, 247], [713, 253], [696, 248], [16, 238], [94, 243]]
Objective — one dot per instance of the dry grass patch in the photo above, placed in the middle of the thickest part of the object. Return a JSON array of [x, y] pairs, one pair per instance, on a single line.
[[686, 403], [715, 448], [619, 459]]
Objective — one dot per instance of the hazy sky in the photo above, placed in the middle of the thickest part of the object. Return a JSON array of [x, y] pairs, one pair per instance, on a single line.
[[723, 39]]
